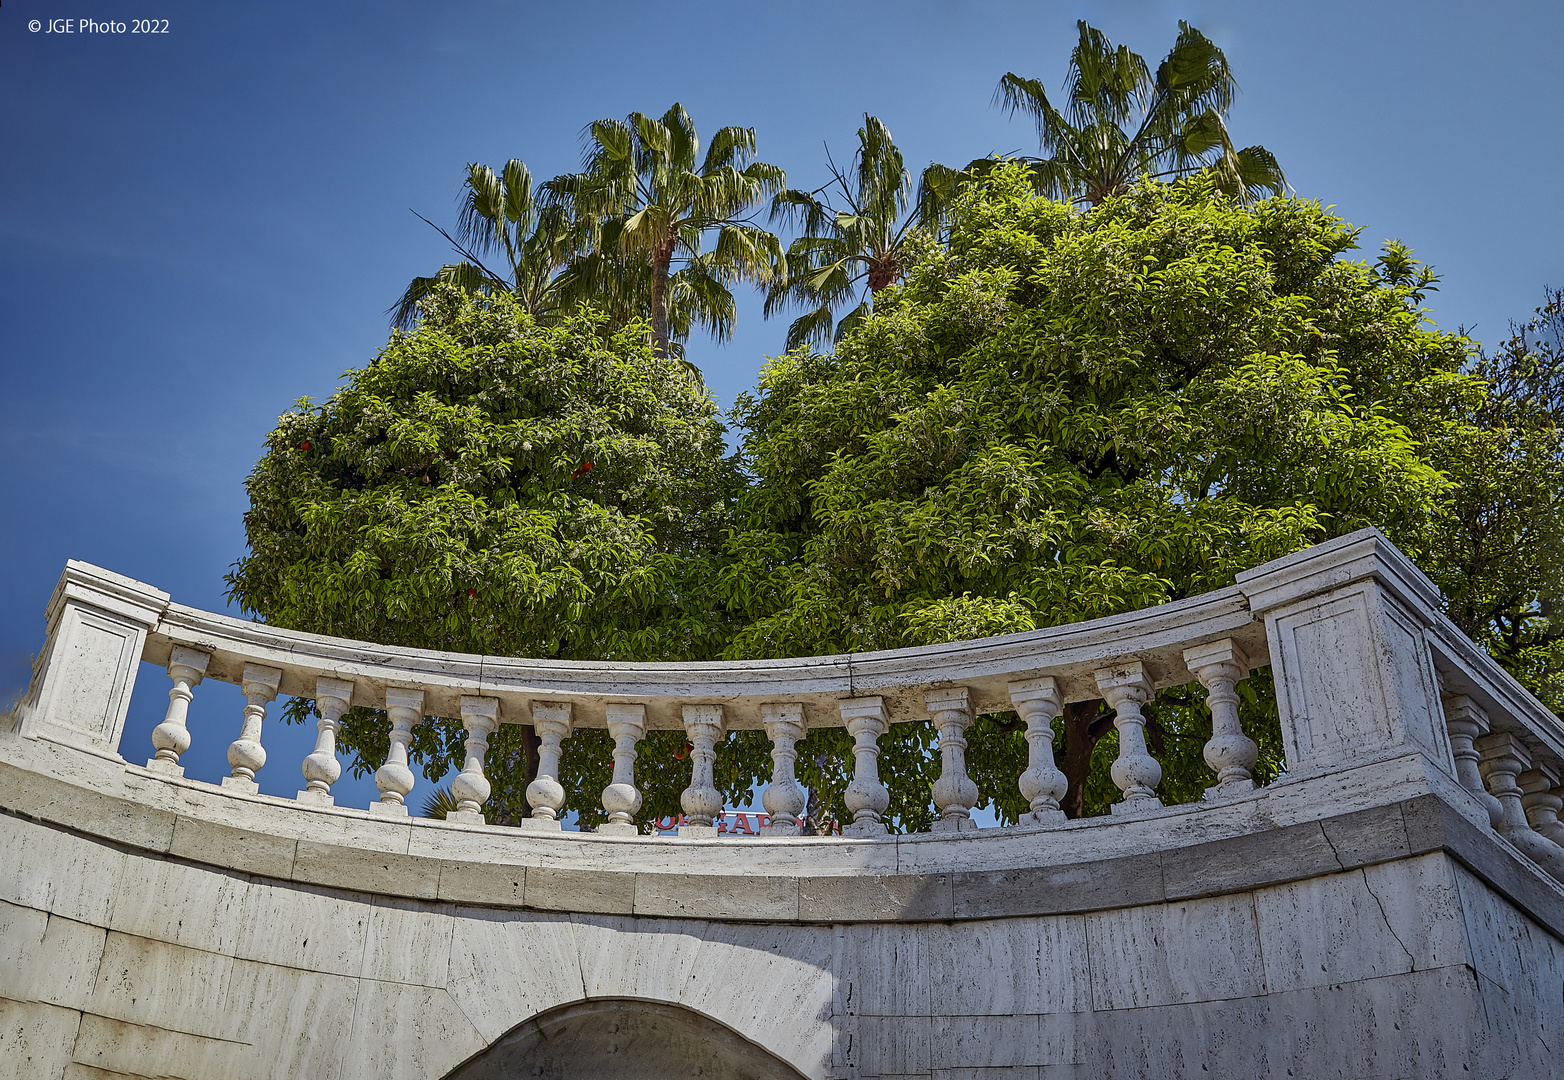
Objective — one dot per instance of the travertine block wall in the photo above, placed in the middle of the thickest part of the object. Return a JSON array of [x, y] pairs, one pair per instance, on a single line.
[[118, 962]]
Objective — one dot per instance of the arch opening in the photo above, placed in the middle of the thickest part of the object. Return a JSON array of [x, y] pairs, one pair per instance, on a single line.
[[623, 1039]]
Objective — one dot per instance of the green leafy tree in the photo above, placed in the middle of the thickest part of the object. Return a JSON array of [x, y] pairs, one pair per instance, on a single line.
[[491, 485], [648, 199], [1498, 554], [1121, 123], [501, 216], [1063, 415], [854, 229]]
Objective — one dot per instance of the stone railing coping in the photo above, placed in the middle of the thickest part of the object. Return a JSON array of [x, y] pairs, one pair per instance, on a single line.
[[1155, 636]]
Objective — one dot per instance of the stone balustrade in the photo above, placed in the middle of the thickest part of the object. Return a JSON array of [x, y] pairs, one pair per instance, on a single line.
[[1397, 888], [1364, 664]]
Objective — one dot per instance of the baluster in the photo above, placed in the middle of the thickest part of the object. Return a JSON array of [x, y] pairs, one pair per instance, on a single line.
[[1042, 784], [470, 788], [187, 668], [954, 792], [1466, 721], [784, 799], [1503, 757], [866, 797], [333, 697], [627, 724], [245, 754], [546, 795], [702, 802], [1136, 772], [1231, 754], [1540, 798], [394, 778]]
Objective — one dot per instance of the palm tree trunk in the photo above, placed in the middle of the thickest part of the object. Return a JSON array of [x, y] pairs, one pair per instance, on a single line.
[[662, 258]]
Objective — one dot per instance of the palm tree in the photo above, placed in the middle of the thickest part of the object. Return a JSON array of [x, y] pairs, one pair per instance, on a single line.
[[645, 200], [1122, 123], [500, 214], [858, 240]]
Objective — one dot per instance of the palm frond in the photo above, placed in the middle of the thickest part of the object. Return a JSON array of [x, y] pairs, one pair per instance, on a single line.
[[811, 328], [699, 296], [1121, 122], [852, 320], [439, 803]]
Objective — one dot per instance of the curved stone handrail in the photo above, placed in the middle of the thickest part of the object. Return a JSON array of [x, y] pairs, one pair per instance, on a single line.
[[1155, 636]]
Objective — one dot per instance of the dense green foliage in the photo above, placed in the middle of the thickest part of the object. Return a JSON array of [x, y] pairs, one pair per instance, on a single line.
[[1499, 553], [1065, 414], [489, 485]]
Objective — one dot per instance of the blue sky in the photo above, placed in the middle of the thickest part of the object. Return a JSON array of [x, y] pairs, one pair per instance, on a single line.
[[198, 227]]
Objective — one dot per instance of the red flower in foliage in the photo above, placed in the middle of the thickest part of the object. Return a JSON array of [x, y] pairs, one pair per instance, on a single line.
[[471, 593], [683, 751], [305, 448], [586, 466]]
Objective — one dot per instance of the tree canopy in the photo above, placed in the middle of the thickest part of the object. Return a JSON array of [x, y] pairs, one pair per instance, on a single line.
[[1082, 384], [1059, 414], [1065, 414], [491, 485], [1498, 555]]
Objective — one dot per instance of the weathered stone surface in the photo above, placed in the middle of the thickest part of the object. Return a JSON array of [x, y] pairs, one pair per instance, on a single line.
[[483, 883], [644, 958], [505, 967], [183, 905], [1503, 945], [714, 897], [366, 871], [242, 849], [405, 1032], [255, 1019], [882, 970], [1242, 862], [1364, 924], [1164, 954], [1004, 967], [305, 928], [556, 889], [35, 1039], [407, 942], [117, 1047], [985, 1043], [875, 897], [773, 983], [1049, 889], [46, 958], [73, 1071], [57, 871]]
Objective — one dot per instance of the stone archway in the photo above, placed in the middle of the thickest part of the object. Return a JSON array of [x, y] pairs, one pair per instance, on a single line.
[[623, 1039]]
